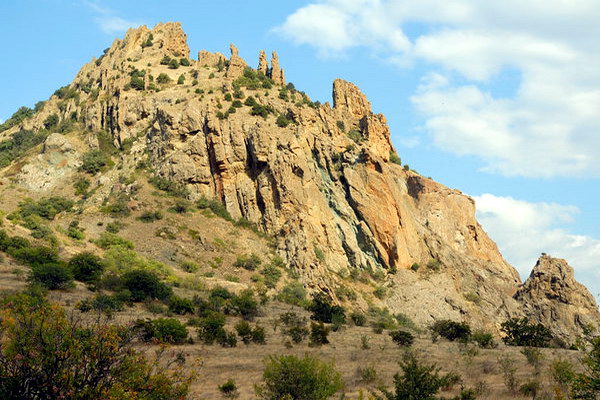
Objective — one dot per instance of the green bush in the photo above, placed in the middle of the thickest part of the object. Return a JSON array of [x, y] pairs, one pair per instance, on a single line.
[[250, 262], [211, 329], [163, 78], [94, 161], [402, 338], [358, 318], [229, 389], [282, 121], [145, 285], [290, 377], [117, 208], [248, 334], [36, 255], [52, 276], [102, 303], [294, 326], [452, 330], [164, 330], [181, 79], [19, 116], [181, 306], [318, 334], [293, 293], [587, 384], [171, 187], [47, 208], [189, 266], [32, 368], [520, 332], [272, 275], [86, 267], [244, 304], [418, 381], [51, 121], [108, 240], [150, 216], [322, 309], [19, 143], [483, 339], [137, 83], [215, 206], [184, 62], [395, 158]]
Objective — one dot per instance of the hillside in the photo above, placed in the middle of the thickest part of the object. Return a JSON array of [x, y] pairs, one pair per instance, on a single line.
[[211, 173]]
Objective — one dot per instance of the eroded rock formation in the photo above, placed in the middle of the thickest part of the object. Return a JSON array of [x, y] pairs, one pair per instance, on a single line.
[[323, 185], [553, 297]]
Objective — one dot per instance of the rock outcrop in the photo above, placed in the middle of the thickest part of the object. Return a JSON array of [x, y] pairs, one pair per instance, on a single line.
[[276, 73], [237, 65], [322, 184], [263, 65], [553, 297]]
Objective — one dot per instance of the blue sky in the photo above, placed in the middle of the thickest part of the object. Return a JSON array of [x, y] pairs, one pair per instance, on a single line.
[[497, 99]]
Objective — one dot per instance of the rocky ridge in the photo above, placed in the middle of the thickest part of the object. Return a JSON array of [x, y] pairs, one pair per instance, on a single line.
[[319, 178]]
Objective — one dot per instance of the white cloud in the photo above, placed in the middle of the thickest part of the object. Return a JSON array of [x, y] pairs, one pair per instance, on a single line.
[[108, 22], [524, 230], [549, 127]]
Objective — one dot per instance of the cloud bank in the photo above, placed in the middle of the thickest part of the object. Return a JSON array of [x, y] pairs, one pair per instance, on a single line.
[[524, 230], [549, 123]]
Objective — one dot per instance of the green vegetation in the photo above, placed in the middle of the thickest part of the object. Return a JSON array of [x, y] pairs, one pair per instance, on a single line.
[[294, 326], [51, 121], [293, 293], [215, 206], [318, 334], [291, 377], [253, 80], [145, 285], [184, 62], [163, 330], [402, 338], [283, 121], [229, 389], [19, 116], [451, 330], [86, 267], [47, 208], [148, 42], [150, 216], [19, 143], [108, 240], [355, 135], [163, 78], [322, 309], [95, 161], [181, 79], [340, 125], [395, 158], [250, 262], [418, 381], [520, 332], [171, 187], [31, 367]]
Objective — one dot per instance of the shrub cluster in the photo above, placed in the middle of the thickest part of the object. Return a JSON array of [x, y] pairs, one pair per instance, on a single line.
[[163, 330], [19, 143], [31, 367], [521, 332]]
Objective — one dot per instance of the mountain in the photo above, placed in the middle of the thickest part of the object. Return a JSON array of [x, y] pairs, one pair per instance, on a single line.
[[321, 185]]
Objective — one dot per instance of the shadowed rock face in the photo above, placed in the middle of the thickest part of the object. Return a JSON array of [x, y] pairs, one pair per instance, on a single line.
[[323, 185], [553, 297]]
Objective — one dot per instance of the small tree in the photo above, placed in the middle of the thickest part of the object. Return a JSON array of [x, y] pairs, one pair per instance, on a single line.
[[290, 377], [418, 381], [86, 267], [587, 384], [402, 338], [520, 332], [323, 310], [145, 285]]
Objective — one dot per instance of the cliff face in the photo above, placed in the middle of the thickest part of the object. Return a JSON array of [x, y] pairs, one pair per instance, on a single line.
[[318, 178]]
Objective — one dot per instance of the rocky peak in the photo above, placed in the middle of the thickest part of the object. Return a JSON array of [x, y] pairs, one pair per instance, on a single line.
[[553, 297], [237, 65], [347, 97]]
